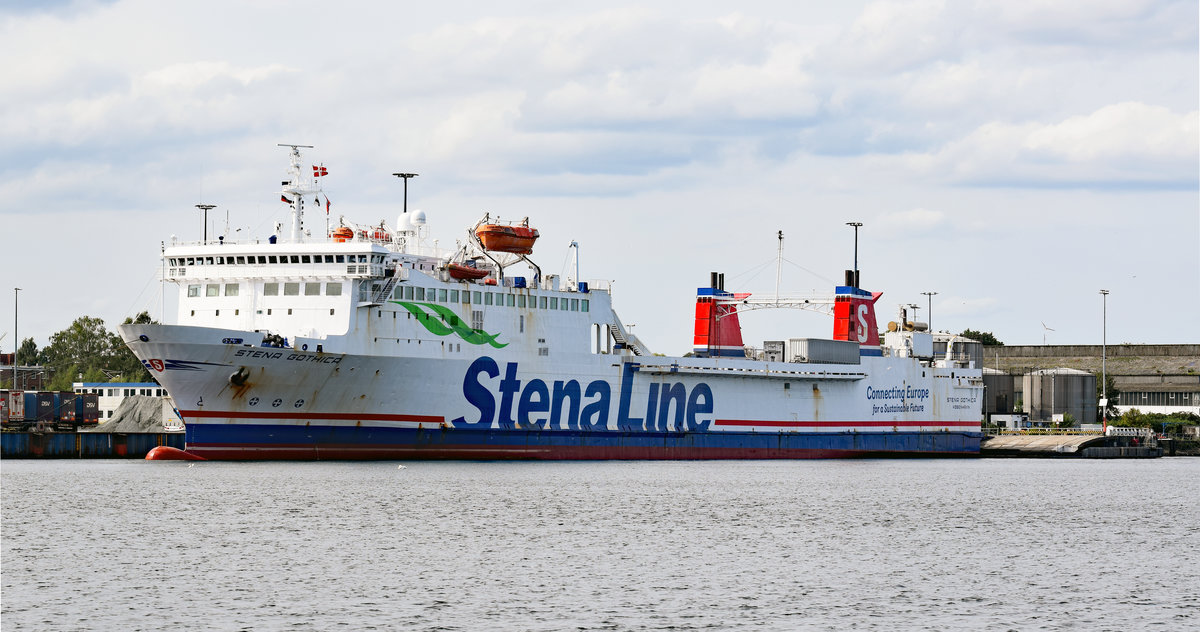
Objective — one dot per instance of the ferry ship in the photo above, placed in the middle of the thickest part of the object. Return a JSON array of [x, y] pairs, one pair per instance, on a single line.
[[363, 342]]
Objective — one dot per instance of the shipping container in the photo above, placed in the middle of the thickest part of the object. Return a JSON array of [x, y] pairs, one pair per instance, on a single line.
[[87, 409], [822, 351], [773, 350], [14, 407], [64, 407], [39, 406]]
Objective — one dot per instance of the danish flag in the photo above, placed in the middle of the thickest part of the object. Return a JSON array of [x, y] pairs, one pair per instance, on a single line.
[[319, 171]]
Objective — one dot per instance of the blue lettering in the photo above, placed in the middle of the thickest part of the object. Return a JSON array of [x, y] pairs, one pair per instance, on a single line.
[[570, 392], [477, 394], [535, 405], [529, 405], [651, 406], [624, 421], [677, 393], [595, 414], [509, 386], [700, 402]]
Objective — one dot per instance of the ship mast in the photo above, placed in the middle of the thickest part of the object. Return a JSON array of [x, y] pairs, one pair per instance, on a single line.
[[295, 188]]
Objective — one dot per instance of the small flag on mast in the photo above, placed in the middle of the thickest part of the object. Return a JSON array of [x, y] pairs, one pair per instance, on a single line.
[[326, 204], [319, 171], [283, 198]]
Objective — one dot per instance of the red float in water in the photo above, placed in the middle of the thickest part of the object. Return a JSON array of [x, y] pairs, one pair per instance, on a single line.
[[167, 453]]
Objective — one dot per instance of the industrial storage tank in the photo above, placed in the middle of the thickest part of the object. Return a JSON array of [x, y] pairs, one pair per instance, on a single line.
[[999, 392], [1050, 392]]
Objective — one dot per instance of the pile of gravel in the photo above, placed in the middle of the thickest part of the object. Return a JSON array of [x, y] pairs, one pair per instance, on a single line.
[[137, 413]]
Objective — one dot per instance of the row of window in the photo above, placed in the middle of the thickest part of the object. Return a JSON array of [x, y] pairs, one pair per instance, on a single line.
[[312, 288], [269, 259], [477, 297], [123, 392], [1136, 398], [405, 292]]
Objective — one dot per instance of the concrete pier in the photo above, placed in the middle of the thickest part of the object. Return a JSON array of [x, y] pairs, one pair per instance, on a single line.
[[1088, 446]]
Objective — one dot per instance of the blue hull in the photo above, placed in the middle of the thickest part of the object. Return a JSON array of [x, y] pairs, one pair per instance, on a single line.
[[256, 442]]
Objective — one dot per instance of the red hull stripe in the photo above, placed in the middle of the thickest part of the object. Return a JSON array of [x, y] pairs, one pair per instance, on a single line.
[[429, 419], [843, 424], [473, 452]]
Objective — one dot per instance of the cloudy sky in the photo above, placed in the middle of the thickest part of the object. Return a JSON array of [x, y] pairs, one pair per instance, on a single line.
[[1014, 157]]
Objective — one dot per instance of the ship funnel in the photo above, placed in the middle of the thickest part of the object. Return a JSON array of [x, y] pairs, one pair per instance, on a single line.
[[854, 318], [718, 332]]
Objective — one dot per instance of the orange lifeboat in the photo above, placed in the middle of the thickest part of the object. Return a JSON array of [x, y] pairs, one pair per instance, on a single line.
[[501, 238], [465, 272], [342, 234]]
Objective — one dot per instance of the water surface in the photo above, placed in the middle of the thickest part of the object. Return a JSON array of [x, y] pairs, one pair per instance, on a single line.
[[782, 545]]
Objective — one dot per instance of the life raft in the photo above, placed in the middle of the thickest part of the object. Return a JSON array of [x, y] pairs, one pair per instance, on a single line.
[[518, 240], [465, 272]]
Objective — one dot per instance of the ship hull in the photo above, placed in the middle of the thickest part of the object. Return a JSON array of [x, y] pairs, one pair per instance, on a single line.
[[275, 442], [246, 402]]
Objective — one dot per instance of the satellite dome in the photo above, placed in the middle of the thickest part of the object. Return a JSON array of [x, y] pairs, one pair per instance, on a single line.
[[418, 218]]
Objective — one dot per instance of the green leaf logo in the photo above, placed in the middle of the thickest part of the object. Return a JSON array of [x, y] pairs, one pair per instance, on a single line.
[[443, 322]]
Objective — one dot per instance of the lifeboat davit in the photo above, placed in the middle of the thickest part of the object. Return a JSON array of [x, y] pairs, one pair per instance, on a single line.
[[342, 234], [465, 272], [501, 238]]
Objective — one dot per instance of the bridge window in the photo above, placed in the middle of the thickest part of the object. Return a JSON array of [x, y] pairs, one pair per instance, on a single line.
[[272, 259], [553, 302], [521, 303], [487, 298], [270, 289], [312, 289], [511, 299], [441, 296], [212, 289], [333, 289], [231, 289], [420, 294], [542, 302], [193, 291], [479, 298], [584, 305], [305, 259], [291, 289]]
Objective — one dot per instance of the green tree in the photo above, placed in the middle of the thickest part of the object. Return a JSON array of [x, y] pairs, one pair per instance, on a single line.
[[130, 368], [27, 353], [87, 348], [985, 337], [1113, 392]]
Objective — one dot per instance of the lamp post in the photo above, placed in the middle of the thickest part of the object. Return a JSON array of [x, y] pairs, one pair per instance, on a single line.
[[17, 337], [206, 208], [930, 296], [916, 313], [1104, 359], [856, 226], [405, 177]]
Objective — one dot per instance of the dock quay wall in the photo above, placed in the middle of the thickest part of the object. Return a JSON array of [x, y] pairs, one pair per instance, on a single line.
[[85, 445]]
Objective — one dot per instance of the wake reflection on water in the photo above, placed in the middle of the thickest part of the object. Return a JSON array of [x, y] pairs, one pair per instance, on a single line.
[[602, 545]]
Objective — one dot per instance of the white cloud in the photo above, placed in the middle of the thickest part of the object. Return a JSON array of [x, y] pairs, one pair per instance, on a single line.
[[1124, 143], [917, 221]]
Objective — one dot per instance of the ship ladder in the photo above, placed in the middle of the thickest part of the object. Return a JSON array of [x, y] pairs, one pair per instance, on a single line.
[[618, 334]]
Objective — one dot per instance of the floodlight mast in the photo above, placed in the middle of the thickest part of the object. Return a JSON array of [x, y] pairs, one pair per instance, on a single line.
[[406, 176]]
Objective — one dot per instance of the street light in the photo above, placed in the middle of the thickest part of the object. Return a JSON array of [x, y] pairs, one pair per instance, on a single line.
[[1104, 359], [16, 337], [206, 208], [406, 176], [856, 226], [930, 295]]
